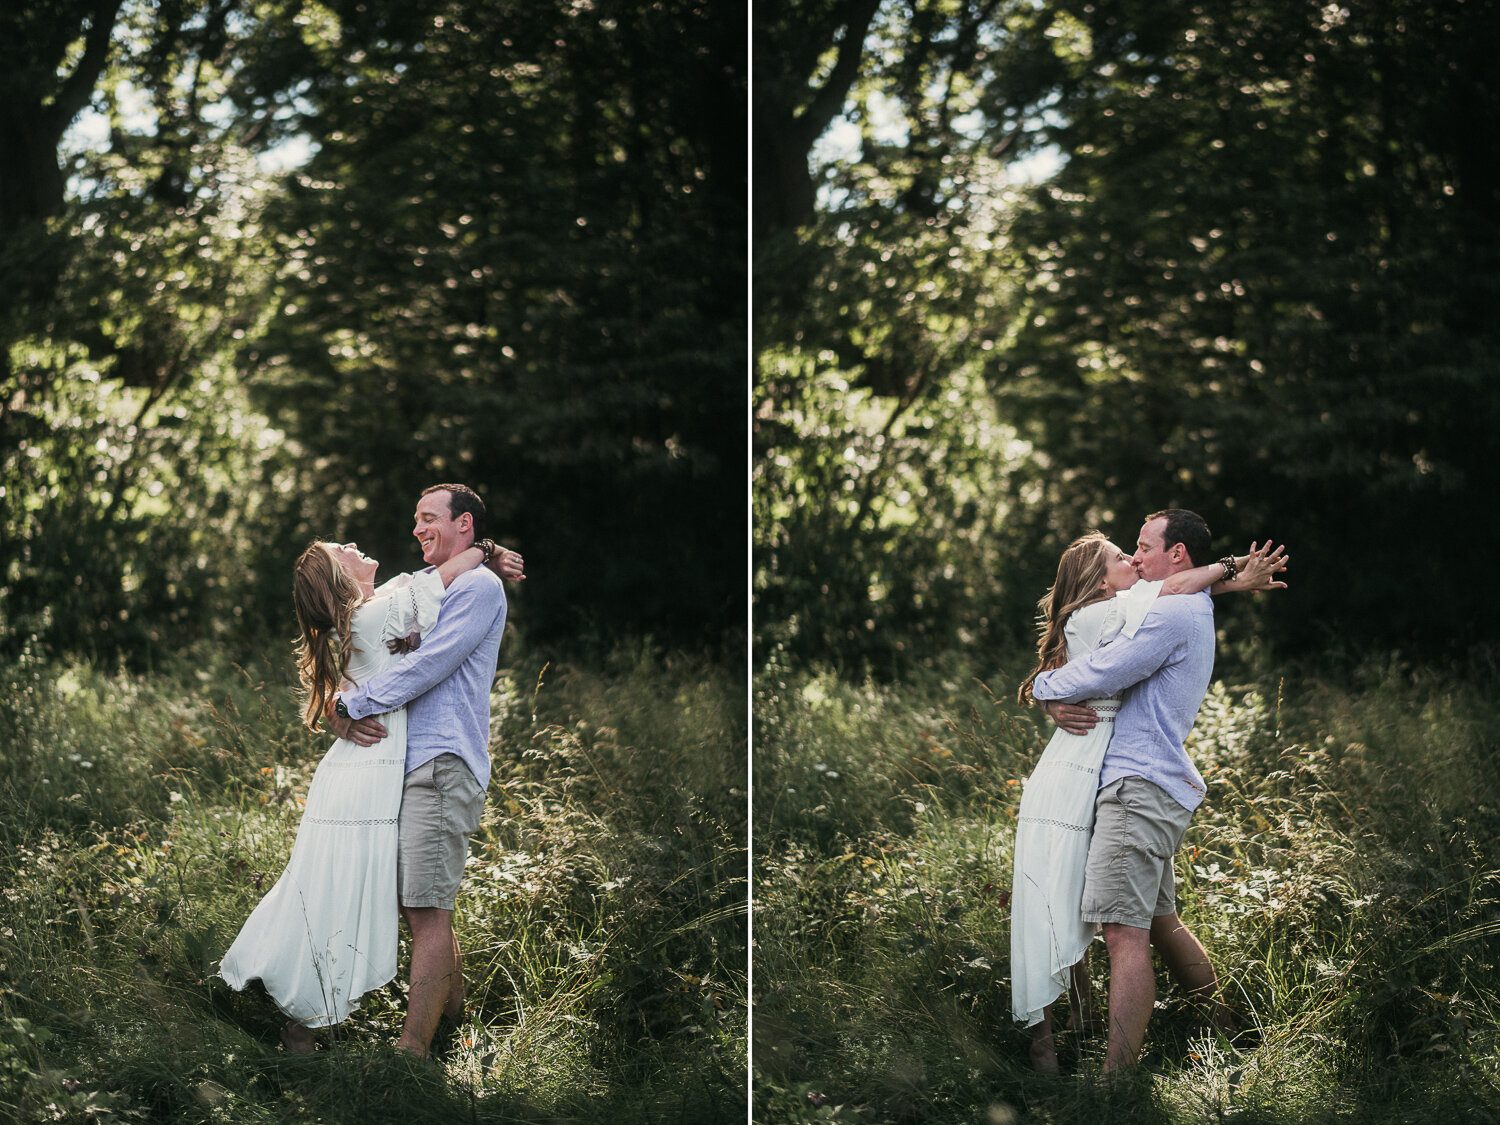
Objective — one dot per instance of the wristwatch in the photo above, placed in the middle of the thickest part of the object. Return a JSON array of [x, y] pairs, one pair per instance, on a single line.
[[339, 708]]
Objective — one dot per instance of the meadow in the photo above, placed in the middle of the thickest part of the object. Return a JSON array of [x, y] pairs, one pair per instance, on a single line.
[[602, 916], [1344, 874]]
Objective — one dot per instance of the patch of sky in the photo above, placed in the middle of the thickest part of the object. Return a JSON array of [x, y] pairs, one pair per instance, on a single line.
[[287, 155], [90, 131], [1036, 166], [842, 142]]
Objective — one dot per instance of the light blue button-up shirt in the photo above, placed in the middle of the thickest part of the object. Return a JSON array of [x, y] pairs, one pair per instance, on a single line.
[[1164, 672], [445, 684]]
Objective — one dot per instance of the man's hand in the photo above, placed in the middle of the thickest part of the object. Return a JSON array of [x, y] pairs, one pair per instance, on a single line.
[[362, 732], [1071, 717], [365, 732]]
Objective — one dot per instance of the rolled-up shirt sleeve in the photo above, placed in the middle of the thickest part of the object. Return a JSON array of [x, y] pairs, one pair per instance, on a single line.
[[467, 616], [1116, 666]]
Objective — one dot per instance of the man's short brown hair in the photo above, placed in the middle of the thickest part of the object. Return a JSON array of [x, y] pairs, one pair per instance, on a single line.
[[1187, 528], [461, 499]]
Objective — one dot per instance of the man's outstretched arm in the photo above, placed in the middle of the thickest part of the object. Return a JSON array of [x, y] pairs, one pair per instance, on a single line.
[[1114, 667]]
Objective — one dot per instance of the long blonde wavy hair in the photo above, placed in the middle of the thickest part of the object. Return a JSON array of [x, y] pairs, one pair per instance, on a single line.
[[1080, 578], [324, 596]]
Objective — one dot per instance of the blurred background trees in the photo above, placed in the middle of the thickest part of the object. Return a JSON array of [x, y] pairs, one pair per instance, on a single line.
[[1071, 263], [1019, 270], [270, 269]]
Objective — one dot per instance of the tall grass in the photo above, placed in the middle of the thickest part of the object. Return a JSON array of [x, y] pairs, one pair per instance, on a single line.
[[1344, 874], [602, 914]]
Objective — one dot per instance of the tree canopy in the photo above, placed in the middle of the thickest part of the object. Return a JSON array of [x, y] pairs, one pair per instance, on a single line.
[[1091, 260], [507, 249]]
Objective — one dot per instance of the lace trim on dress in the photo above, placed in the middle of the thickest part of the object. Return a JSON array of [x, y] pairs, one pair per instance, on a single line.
[[364, 763], [1075, 766], [365, 823], [1055, 823], [1106, 711]]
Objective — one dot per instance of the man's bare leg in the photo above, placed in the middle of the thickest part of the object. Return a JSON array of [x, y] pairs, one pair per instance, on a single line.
[[454, 1009], [434, 969], [1191, 968], [1132, 991]]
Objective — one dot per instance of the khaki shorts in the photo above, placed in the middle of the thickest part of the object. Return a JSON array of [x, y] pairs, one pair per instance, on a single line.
[[1137, 830], [440, 809]]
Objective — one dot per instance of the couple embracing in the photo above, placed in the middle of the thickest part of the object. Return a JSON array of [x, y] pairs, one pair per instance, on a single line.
[[1124, 660], [401, 673]]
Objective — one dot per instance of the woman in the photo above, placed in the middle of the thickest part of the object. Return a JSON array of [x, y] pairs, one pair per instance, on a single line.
[[1096, 598], [326, 933]]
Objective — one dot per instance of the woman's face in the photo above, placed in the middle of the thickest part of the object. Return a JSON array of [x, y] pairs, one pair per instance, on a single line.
[[358, 565], [1119, 569]]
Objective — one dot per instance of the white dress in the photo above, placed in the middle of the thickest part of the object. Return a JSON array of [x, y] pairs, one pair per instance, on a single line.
[[326, 933], [1056, 821]]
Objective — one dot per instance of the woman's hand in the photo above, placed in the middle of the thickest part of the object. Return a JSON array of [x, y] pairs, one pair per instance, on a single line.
[[1258, 569], [400, 646], [508, 565]]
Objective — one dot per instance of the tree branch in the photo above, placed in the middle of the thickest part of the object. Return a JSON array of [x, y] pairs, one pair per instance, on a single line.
[[78, 88], [826, 104]]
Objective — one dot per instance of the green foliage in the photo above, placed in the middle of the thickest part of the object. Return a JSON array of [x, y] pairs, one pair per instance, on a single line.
[[514, 258], [898, 510], [878, 531], [1257, 284], [1366, 817], [90, 751], [1341, 874], [888, 492], [603, 916], [127, 524], [135, 481]]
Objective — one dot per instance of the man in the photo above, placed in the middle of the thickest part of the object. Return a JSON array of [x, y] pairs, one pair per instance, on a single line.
[[445, 686], [1149, 786]]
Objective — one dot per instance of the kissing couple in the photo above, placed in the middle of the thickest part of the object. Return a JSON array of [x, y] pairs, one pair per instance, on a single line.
[[1124, 660]]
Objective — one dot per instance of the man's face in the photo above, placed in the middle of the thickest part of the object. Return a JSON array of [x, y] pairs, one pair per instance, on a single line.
[[1152, 559], [440, 534]]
